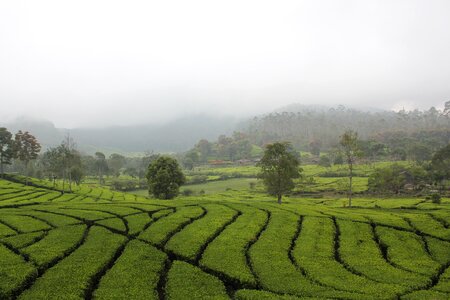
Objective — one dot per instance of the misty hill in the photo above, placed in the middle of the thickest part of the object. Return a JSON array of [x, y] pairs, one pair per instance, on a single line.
[[45, 131], [300, 124], [303, 108], [303, 125], [175, 136]]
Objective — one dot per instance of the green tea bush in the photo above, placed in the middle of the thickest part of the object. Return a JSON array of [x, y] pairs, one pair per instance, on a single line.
[[187, 192], [71, 277], [135, 274], [189, 241], [188, 282], [436, 198]]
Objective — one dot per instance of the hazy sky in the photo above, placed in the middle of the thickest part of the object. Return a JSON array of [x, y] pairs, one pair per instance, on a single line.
[[98, 63]]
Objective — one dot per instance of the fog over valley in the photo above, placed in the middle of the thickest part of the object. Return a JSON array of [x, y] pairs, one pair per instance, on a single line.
[[107, 63]]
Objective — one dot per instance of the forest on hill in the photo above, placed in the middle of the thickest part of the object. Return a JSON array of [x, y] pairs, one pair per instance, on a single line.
[[323, 126]]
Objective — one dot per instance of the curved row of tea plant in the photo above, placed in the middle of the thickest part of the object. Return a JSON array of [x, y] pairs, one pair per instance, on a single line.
[[94, 243]]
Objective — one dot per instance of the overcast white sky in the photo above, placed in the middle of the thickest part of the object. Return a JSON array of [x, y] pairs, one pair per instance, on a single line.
[[98, 63]]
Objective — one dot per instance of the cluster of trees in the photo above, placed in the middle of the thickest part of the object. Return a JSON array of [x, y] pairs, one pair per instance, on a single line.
[[280, 166], [417, 147], [235, 147], [21, 153], [394, 178], [398, 135], [399, 178], [66, 162], [24, 148], [63, 161]]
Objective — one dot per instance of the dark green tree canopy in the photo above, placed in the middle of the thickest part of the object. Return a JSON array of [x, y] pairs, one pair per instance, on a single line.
[[392, 179], [6, 148], [164, 178], [279, 166], [116, 162], [440, 164], [26, 146], [101, 165]]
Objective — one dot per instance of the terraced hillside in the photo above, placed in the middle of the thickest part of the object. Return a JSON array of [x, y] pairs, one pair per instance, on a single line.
[[95, 243]]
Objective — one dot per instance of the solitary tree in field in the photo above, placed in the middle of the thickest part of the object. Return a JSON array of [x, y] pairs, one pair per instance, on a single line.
[[6, 148], [350, 150], [26, 148], [164, 178], [279, 166]]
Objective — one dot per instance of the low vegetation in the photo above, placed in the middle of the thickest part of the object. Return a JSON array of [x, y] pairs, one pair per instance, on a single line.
[[241, 246]]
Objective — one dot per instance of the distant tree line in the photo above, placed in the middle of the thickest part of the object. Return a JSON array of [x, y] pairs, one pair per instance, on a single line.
[[230, 148], [387, 134]]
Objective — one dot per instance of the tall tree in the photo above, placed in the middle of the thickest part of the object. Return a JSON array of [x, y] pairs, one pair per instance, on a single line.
[[279, 166], [115, 163], [51, 162], [204, 147], [314, 147], [6, 148], [190, 159], [101, 165], [64, 161], [26, 148], [71, 159], [447, 108], [164, 178], [440, 164], [349, 147]]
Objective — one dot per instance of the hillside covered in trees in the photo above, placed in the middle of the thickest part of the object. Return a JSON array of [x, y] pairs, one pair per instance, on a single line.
[[412, 135], [306, 126]]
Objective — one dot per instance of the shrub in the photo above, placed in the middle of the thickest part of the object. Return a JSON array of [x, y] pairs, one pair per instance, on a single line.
[[187, 192], [198, 179], [436, 198], [123, 185]]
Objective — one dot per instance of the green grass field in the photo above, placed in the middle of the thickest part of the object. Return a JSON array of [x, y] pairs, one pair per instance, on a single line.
[[238, 244]]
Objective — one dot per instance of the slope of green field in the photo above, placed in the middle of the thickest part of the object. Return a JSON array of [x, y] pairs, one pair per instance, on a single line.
[[96, 243]]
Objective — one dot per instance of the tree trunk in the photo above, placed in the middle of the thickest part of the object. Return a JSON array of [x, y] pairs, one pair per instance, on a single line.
[[26, 172], [100, 176], [279, 198], [350, 188], [1, 168], [70, 182], [64, 181]]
